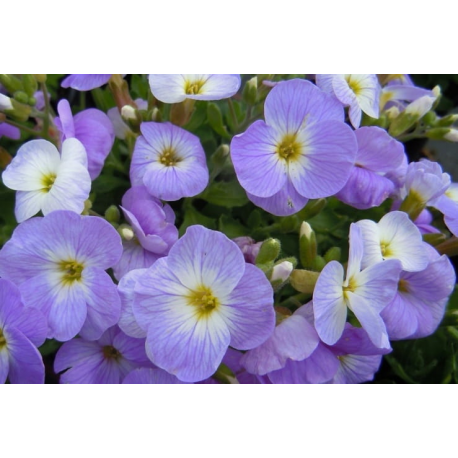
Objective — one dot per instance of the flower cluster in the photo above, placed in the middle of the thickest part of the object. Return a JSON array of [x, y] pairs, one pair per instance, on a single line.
[[206, 243]]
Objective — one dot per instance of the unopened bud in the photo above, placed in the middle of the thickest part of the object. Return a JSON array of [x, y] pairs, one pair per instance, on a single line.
[[13, 108], [319, 263], [30, 84], [411, 115], [452, 135], [126, 232], [180, 113], [447, 121], [307, 245], [250, 91], [40, 78], [434, 239], [112, 214], [333, 254], [5, 103], [11, 83], [430, 118], [269, 251], [220, 156], [281, 272], [413, 205], [303, 280], [128, 113], [21, 97]]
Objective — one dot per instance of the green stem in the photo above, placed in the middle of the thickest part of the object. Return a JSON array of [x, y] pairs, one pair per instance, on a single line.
[[233, 115], [45, 130], [23, 128]]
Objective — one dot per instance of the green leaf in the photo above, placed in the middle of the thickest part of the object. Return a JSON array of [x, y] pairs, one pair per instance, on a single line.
[[215, 119], [225, 193], [231, 227], [192, 216]]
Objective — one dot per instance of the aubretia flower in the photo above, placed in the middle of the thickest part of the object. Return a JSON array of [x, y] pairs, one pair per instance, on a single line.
[[358, 92], [107, 360], [200, 299], [85, 82], [302, 151], [394, 237], [177, 88], [153, 230], [169, 161], [46, 180], [364, 292], [419, 304], [378, 154], [448, 205], [58, 262], [21, 331], [92, 128]]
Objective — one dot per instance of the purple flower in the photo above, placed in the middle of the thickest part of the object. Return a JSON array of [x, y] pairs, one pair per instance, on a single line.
[[358, 92], [149, 376], [6, 130], [364, 292], [169, 161], [58, 262], [378, 154], [92, 128], [21, 331], [249, 247], [153, 230], [85, 82], [394, 237], [200, 299], [177, 88], [425, 180], [419, 304], [46, 180], [107, 360], [448, 205], [303, 151]]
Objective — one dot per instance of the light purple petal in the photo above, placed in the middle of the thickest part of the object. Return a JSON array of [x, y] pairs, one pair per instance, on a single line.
[[357, 369], [248, 310], [74, 352], [9, 131], [85, 82], [150, 376], [4, 365], [133, 257]]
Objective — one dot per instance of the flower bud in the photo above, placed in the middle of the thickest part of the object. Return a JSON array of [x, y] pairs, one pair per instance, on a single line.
[[30, 84], [21, 97], [112, 214], [5, 103], [16, 110], [249, 248], [250, 91], [307, 245], [126, 232], [303, 280], [220, 156], [215, 119], [11, 83], [180, 113], [269, 251], [438, 133], [452, 135], [281, 271], [40, 78], [333, 254], [434, 239], [447, 121]]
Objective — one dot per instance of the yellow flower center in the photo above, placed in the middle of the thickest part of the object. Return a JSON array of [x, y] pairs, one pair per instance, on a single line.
[[72, 271], [354, 84], [193, 87], [351, 287], [403, 286], [289, 148], [2, 340], [110, 352], [169, 157], [47, 182], [203, 300], [385, 249]]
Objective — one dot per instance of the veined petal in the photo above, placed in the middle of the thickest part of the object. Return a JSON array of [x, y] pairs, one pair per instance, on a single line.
[[25, 362], [328, 303], [357, 369], [74, 352], [356, 252], [208, 258], [260, 170], [371, 235], [329, 151], [34, 160], [248, 310], [85, 82], [186, 346], [103, 303], [28, 204], [4, 365], [148, 376], [285, 202], [217, 87], [133, 257]]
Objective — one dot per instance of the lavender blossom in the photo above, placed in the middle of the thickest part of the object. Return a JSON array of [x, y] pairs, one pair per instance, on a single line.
[[59, 264], [22, 330], [85, 82], [302, 151], [200, 299], [249, 247]]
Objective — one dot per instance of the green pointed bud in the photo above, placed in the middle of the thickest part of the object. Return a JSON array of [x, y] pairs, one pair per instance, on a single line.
[[11, 83], [413, 205], [112, 214], [430, 118], [312, 209], [308, 248], [126, 232], [87, 206], [30, 84], [449, 247], [215, 119], [319, 263], [434, 239], [40, 78], [333, 254], [439, 133], [447, 121], [21, 97], [250, 91], [269, 251], [303, 281], [220, 156], [224, 375], [32, 101]]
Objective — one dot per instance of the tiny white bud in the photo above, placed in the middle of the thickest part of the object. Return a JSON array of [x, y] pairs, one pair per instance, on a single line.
[[306, 230], [5, 102], [128, 112], [282, 271], [452, 135], [127, 233]]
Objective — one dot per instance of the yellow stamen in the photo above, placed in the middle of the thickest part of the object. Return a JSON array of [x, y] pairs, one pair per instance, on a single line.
[[403, 286], [72, 271], [2, 340], [193, 87], [110, 352], [289, 148], [169, 157], [48, 181], [203, 300]]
